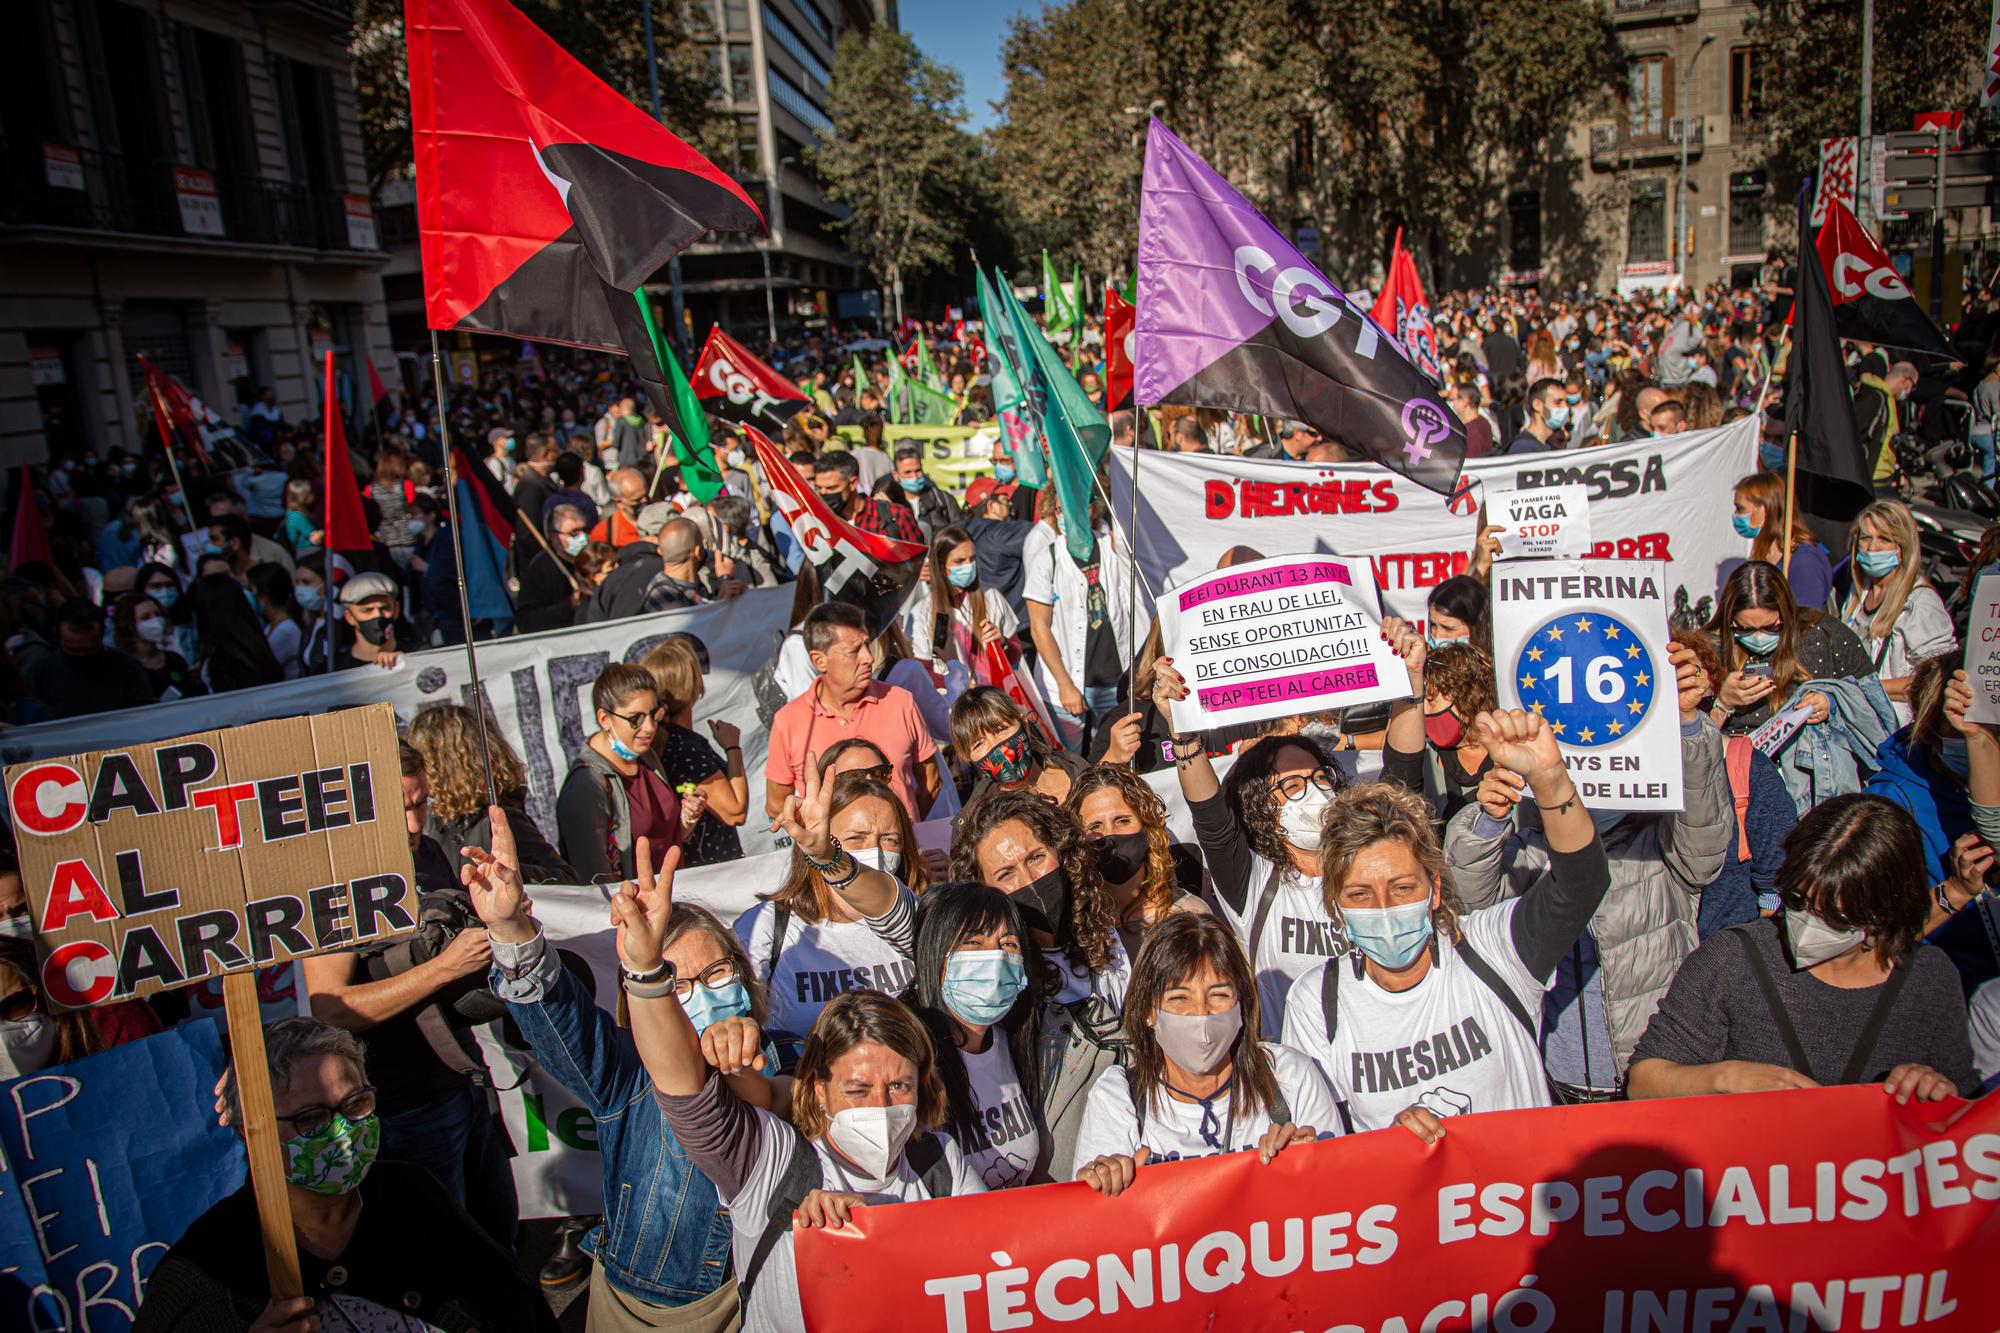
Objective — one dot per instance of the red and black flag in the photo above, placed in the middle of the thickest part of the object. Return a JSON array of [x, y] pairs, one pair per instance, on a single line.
[[1871, 302], [1835, 466], [544, 197], [734, 384]]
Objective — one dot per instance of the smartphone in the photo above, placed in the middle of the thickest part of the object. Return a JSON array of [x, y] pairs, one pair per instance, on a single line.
[[1757, 669]]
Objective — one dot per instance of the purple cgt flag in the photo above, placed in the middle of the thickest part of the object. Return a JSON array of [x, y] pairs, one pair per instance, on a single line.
[[1232, 316]]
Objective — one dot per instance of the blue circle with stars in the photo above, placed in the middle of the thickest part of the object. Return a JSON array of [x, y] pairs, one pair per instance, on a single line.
[[1589, 674]]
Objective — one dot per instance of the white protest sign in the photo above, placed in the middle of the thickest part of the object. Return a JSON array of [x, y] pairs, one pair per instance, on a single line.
[[1584, 644], [1771, 737], [1546, 521], [1654, 499], [1982, 650], [1292, 634]]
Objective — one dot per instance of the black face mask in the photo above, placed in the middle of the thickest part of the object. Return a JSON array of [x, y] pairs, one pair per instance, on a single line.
[[835, 500], [1121, 855], [1044, 904], [375, 631]]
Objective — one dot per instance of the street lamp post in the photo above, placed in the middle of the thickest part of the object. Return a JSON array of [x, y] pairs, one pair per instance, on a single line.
[[1679, 240], [771, 187]]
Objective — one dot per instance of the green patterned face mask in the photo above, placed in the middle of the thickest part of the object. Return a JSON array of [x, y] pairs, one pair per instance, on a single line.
[[334, 1159]]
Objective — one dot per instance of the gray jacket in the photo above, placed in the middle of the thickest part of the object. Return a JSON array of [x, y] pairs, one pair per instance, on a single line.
[[1659, 866]]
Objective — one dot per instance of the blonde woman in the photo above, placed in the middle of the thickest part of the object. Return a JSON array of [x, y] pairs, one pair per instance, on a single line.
[[447, 736], [1892, 608]]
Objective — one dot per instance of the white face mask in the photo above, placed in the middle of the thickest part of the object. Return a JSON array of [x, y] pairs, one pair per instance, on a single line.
[[26, 1045], [152, 631], [1299, 820], [875, 858], [1198, 1042], [1814, 942], [872, 1137]]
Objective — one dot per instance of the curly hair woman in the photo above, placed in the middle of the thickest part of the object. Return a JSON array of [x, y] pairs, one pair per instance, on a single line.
[[1126, 824], [447, 736]]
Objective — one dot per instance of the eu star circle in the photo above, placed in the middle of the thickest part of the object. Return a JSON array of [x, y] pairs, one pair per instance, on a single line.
[[1589, 674]]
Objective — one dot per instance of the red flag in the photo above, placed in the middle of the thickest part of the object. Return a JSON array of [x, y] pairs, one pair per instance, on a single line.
[[377, 390], [346, 527], [1117, 350], [176, 412], [1019, 686], [539, 185], [492, 510], [1871, 302], [837, 546], [1402, 310], [31, 539], [733, 383]]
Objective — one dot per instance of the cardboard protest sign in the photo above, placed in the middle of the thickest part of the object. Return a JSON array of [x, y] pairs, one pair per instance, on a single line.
[[1982, 650], [1292, 634], [155, 866], [1546, 521], [1584, 644], [107, 1161]]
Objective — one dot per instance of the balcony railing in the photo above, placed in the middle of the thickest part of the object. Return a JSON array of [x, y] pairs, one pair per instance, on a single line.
[[108, 192], [1613, 141], [1642, 11]]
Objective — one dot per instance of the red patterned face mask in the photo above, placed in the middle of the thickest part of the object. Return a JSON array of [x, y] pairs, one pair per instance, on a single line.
[[1007, 762]]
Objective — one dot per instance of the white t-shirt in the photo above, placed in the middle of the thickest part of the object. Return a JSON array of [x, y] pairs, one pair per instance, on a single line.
[[1983, 1019], [1448, 1043], [1173, 1131], [774, 1305], [1923, 631], [1004, 1150], [1075, 981], [285, 637], [1298, 936], [819, 962], [918, 620]]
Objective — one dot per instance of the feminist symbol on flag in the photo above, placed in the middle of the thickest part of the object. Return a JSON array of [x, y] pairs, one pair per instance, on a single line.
[[1425, 426]]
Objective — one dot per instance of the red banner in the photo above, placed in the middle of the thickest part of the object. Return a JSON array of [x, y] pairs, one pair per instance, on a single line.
[[1827, 1209]]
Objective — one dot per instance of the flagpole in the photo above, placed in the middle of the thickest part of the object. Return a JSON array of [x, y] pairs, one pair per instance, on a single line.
[[458, 558], [1132, 581], [1791, 499]]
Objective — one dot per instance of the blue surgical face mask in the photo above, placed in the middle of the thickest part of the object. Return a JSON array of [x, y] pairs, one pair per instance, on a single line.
[[1003, 473], [210, 548], [309, 599], [913, 484], [1558, 416], [575, 542], [1389, 936], [620, 748], [712, 1004], [1744, 527], [1435, 642], [1952, 754], [1877, 563], [1762, 642], [963, 576], [981, 985], [166, 597]]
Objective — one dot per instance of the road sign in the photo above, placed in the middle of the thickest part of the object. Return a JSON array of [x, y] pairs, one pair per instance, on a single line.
[[1921, 198], [1921, 169]]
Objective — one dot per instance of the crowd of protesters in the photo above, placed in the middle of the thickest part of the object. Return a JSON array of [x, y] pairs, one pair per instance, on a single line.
[[880, 1028]]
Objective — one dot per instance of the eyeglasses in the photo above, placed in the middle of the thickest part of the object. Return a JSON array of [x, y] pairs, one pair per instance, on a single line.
[[23, 1003], [312, 1119], [873, 773], [633, 720], [1292, 786], [719, 973]]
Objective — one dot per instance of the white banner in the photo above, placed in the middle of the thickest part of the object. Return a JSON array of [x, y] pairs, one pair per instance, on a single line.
[[537, 687], [1665, 499], [1584, 644], [1293, 634]]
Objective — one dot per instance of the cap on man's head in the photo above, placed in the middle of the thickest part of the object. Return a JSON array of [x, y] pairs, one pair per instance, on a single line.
[[367, 588], [497, 434], [652, 518], [983, 489]]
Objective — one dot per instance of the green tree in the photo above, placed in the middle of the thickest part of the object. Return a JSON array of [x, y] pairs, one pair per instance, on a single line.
[[896, 155], [607, 36], [1927, 58]]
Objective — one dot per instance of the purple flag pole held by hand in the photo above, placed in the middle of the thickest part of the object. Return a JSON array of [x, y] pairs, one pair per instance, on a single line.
[[1232, 316]]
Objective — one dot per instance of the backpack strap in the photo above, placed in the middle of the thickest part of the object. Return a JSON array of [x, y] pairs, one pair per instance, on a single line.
[[1736, 763], [1871, 1031], [781, 921], [925, 1154], [1329, 997], [1768, 984], [802, 1177], [1482, 969], [1263, 914]]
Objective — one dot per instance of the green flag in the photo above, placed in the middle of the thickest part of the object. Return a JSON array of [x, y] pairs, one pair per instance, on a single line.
[[687, 421], [1076, 432], [860, 377], [1058, 311], [914, 403], [927, 370], [1020, 423]]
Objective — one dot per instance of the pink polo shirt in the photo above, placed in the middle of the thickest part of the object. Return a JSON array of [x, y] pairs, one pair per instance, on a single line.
[[886, 717]]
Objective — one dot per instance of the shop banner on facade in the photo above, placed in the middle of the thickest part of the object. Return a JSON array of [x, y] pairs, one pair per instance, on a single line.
[[537, 687], [1665, 499], [1584, 644], [1684, 1214]]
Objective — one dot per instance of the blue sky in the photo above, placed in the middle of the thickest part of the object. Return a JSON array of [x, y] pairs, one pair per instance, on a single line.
[[965, 34]]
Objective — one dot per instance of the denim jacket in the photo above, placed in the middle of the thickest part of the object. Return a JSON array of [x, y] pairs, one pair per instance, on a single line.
[[665, 1234]]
